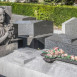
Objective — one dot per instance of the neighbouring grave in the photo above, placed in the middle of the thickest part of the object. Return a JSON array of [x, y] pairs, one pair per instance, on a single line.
[[68, 40]]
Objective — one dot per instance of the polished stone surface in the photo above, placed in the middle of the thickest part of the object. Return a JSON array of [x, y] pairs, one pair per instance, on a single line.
[[69, 27], [34, 27]]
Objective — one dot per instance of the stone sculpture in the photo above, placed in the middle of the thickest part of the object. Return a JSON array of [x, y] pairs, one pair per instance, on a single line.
[[7, 34], [3, 30]]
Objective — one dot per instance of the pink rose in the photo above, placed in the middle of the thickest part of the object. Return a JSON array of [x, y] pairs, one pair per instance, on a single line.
[[49, 55], [61, 51], [65, 55], [52, 53], [57, 53], [76, 58], [72, 57], [56, 48]]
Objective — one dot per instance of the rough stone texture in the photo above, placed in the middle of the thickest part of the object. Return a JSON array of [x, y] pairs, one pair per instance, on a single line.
[[70, 27], [6, 49], [36, 67], [7, 43], [62, 41], [34, 27]]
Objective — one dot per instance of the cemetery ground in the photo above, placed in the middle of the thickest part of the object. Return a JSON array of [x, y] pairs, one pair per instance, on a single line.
[[27, 38]]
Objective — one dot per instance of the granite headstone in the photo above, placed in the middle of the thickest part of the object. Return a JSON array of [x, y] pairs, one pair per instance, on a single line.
[[70, 27]]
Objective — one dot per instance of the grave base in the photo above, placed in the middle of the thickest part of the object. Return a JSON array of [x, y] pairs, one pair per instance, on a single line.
[[34, 68]]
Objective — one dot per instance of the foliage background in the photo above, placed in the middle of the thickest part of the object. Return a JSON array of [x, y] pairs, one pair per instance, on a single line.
[[58, 14]]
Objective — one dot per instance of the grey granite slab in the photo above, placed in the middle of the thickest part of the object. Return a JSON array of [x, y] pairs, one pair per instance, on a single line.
[[60, 37], [62, 41], [34, 27]]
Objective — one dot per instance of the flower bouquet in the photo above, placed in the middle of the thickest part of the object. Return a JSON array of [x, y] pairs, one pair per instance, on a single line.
[[58, 54]]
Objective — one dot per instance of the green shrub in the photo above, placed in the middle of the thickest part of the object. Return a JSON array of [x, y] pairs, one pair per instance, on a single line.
[[47, 0], [58, 14], [57, 1], [69, 2]]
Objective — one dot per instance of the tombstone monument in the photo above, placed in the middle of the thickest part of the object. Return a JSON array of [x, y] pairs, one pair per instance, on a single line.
[[70, 27], [33, 32]]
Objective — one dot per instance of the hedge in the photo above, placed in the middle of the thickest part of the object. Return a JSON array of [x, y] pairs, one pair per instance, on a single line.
[[58, 14]]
